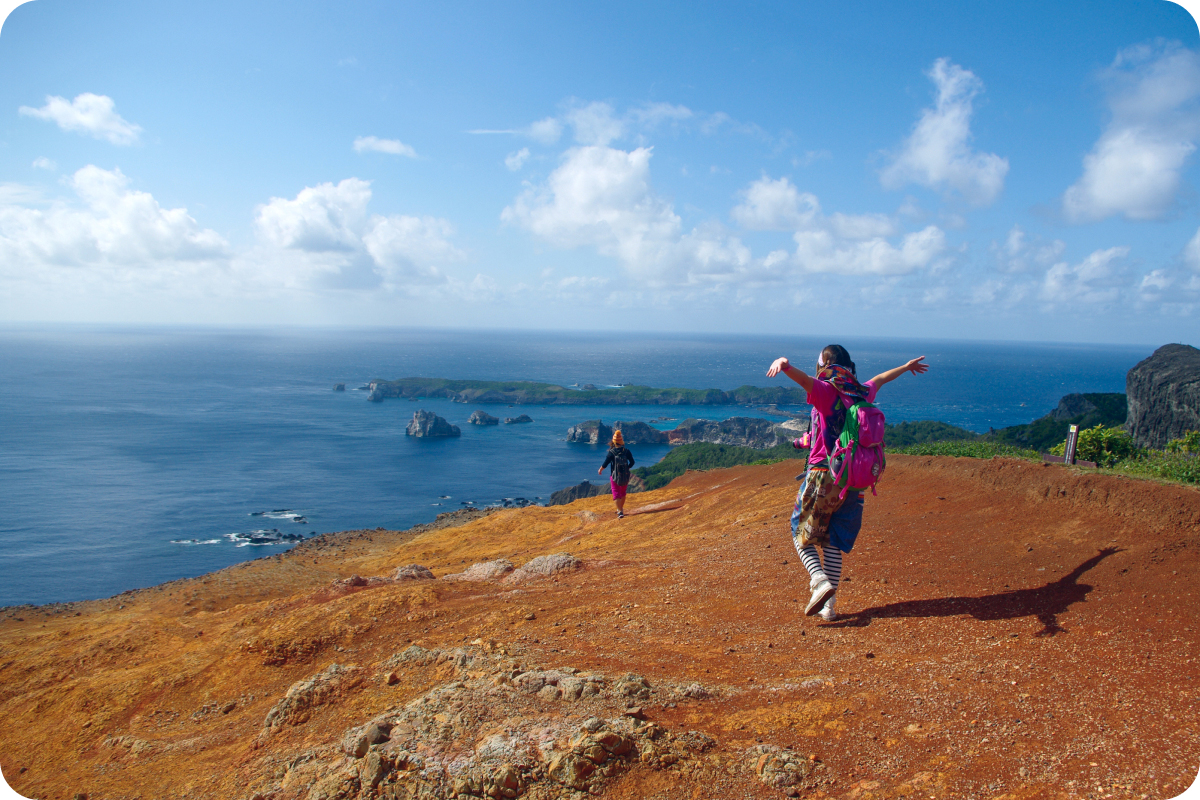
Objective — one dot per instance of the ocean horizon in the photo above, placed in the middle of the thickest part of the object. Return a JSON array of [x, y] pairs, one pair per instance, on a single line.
[[134, 455]]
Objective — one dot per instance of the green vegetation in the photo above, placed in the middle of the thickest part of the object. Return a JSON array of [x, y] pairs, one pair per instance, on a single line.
[[704, 455], [905, 434], [1110, 409], [531, 393], [1103, 446], [976, 448]]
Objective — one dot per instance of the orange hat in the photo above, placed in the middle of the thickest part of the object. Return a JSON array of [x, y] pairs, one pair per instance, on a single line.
[[618, 439]]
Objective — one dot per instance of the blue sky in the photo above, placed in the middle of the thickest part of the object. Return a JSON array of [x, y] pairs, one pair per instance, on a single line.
[[952, 170]]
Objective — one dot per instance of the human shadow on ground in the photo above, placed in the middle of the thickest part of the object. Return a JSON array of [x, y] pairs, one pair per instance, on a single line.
[[1045, 603]]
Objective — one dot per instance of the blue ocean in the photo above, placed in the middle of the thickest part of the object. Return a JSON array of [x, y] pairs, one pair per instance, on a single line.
[[133, 456]]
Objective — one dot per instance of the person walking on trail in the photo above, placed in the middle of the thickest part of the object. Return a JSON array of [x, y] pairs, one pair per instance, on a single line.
[[621, 461], [823, 516]]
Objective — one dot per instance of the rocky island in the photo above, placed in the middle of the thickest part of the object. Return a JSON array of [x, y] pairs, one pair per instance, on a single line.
[[531, 393], [427, 424]]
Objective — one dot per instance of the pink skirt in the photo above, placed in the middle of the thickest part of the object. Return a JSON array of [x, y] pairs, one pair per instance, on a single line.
[[617, 489]]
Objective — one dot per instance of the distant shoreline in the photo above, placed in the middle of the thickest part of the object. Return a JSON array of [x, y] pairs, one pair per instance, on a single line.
[[532, 393]]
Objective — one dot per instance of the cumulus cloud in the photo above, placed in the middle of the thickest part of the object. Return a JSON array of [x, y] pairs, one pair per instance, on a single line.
[[91, 114], [601, 197], [854, 244], [372, 144], [1191, 253], [41, 162], [1095, 280], [109, 236], [595, 124], [331, 236], [938, 154], [1134, 168]]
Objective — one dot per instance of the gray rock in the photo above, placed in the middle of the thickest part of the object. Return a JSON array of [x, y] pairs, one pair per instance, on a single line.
[[591, 432], [296, 706], [483, 571], [641, 433], [413, 572], [339, 387], [482, 418], [543, 566], [517, 420], [577, 492], [1071, 406], [740, 431], [1164, 396], [427, 424]]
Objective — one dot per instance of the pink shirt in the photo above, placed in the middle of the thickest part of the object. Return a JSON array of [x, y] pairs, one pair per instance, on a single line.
[[822, 396]]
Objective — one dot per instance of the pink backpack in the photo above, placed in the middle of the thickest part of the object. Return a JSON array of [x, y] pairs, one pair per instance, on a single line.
[[860, 448]]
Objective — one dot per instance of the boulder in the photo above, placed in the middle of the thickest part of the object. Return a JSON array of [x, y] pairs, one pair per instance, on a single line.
[[427, 424], [517, 420], [483, 571], [339, 387], [543, 566], [740, 431], [641, 433], [588, 489], [591, 432], [482, 418], [1164, 396], [413, 572]]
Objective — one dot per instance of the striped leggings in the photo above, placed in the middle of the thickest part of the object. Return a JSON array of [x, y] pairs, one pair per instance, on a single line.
[[809, 556]]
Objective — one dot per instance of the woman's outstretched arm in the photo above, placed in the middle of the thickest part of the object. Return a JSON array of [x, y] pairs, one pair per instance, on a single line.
[[781, 365], [915, 367]]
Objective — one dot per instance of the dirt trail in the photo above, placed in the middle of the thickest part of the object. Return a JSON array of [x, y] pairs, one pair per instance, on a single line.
[[1008, 630]]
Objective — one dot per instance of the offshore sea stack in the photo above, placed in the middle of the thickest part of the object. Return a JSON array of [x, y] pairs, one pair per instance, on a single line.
[[482, 418], [591, 432], [427, 424], [1164, 396]]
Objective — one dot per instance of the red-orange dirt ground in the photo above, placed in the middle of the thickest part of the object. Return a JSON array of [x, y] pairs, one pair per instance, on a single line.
[[1008, 630]]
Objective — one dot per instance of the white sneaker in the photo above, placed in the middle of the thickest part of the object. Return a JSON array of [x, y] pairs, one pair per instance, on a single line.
[[828, 611], [821, 591]]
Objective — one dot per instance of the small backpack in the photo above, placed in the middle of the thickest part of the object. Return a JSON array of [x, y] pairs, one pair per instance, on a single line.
[[620, 470], [857, 461]]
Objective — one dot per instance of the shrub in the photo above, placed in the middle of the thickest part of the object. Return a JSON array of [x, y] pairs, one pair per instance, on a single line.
[[1190, 443], [1100, 445]]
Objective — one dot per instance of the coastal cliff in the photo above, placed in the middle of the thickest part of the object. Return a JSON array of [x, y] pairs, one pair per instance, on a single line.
[[545, 651], [1164, 396]]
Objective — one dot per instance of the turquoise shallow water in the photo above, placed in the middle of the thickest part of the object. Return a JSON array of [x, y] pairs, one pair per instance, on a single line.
[[132, 456]]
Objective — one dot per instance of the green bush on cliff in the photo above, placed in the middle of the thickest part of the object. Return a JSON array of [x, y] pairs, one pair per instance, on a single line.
[[975, 448], [1103, 446], [904, 434], [704, 455]]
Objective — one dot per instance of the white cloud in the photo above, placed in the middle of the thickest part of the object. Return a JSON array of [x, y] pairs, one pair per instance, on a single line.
[[92, 114], [514, 161], [938, 154], [601, 197], [1134, 168], [321, 218], [395, 147], [545, 131], [1018, 254], [775, 205], [851, 243], [1095, 280], [41, 162], [595, 124], [329, 232], [1191, 253], [113, 231]]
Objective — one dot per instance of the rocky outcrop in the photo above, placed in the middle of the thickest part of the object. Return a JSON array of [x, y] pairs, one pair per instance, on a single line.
[[588, 489], [517, 420], [591, 432], [427, 424], [1164, 396], [640, 433], [339, 387], [482, 418], [483, 571], [741, 431]]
